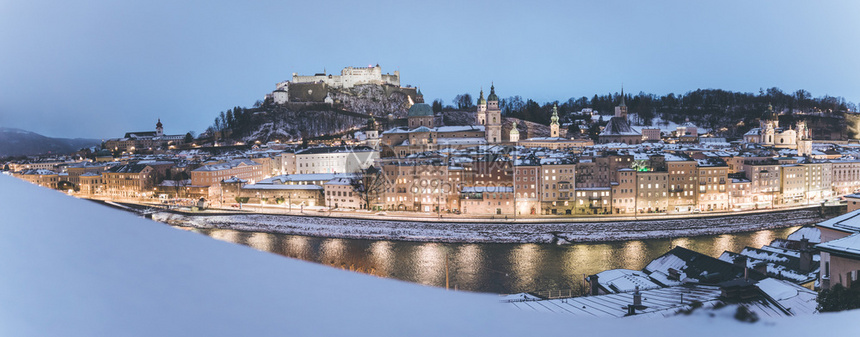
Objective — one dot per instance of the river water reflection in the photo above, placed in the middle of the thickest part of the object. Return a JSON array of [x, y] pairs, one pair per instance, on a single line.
[[494, 268]]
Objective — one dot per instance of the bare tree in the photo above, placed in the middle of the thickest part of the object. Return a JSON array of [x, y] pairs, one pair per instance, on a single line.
[[369, 184]]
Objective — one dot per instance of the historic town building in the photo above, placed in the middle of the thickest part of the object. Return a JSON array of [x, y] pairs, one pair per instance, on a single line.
[[618, 129], [144, 140], [769, 133]]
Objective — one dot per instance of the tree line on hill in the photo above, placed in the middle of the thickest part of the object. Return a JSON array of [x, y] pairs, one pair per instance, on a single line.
[[729, 113], [715, 109]]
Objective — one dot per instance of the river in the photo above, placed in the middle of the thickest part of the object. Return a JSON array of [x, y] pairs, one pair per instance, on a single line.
[[488, 267]]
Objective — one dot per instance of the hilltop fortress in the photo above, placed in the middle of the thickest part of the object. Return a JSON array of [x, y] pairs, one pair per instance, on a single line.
[[318, 87], [349, 77]]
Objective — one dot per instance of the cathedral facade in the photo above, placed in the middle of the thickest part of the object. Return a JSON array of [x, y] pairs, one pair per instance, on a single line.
[[769, 133]]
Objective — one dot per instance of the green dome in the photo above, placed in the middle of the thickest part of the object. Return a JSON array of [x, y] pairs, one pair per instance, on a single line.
[[481, 100], [420, 110], [492, 96]]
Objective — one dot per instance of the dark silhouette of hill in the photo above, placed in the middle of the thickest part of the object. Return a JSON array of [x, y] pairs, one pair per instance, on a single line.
[[17, 142]]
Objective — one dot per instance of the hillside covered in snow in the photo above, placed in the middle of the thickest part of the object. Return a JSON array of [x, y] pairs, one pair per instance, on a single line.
[[319, 112]]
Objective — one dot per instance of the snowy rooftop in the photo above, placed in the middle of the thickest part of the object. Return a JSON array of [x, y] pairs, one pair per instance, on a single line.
[[848, 222], [625, 280], [281, 187], [281, 179], [461, 141], [849, 246], [459, 128], [227, 165]]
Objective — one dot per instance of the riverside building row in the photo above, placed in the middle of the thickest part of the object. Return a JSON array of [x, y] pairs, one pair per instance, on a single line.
[[484, 180]]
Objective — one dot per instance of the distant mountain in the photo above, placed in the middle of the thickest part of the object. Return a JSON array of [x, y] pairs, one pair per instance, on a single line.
[[17, 142]]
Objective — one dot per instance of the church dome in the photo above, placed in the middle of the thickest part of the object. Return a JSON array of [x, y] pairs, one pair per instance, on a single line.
[[481, 100], [492, 96], [420, 110]]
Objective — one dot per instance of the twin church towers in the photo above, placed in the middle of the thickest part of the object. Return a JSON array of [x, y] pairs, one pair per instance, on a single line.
[[490, 116]]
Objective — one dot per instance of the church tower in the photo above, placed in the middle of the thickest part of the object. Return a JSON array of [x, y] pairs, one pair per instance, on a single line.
[[481, 117], [159, 130], [769, 117], [621, 109], [553, 126], [804, 140], [494, 118], [515, 134], [768, 123]]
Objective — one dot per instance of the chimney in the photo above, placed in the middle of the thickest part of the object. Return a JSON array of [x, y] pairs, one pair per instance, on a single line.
[[761, 267], [631, 310], [637, 298], [740, 261], [595, 287], [806, 263], [804, 243]]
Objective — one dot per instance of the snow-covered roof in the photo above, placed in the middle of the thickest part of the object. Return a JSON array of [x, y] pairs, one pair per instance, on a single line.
[[791, 297], [810, 233], [618, 126], [461, 141], [282, 179], [339, 181], [847, 246], [282, 187], [848, 222], [625, 280], [227, 165], [40, 172]]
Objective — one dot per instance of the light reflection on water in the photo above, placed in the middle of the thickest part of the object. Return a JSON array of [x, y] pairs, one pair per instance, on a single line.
[[496, 268]]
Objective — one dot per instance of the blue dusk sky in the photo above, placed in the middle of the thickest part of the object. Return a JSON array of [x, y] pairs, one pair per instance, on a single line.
[[96, 69]]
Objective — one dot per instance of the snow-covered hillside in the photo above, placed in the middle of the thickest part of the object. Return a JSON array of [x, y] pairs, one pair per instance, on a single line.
[[373, 100], [289, 125], [74, 268]]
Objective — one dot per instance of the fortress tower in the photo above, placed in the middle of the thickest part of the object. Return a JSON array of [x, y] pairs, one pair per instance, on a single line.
[[494, 118]]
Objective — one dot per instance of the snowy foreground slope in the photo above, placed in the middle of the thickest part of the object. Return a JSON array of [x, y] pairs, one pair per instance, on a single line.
[[70, 267]]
